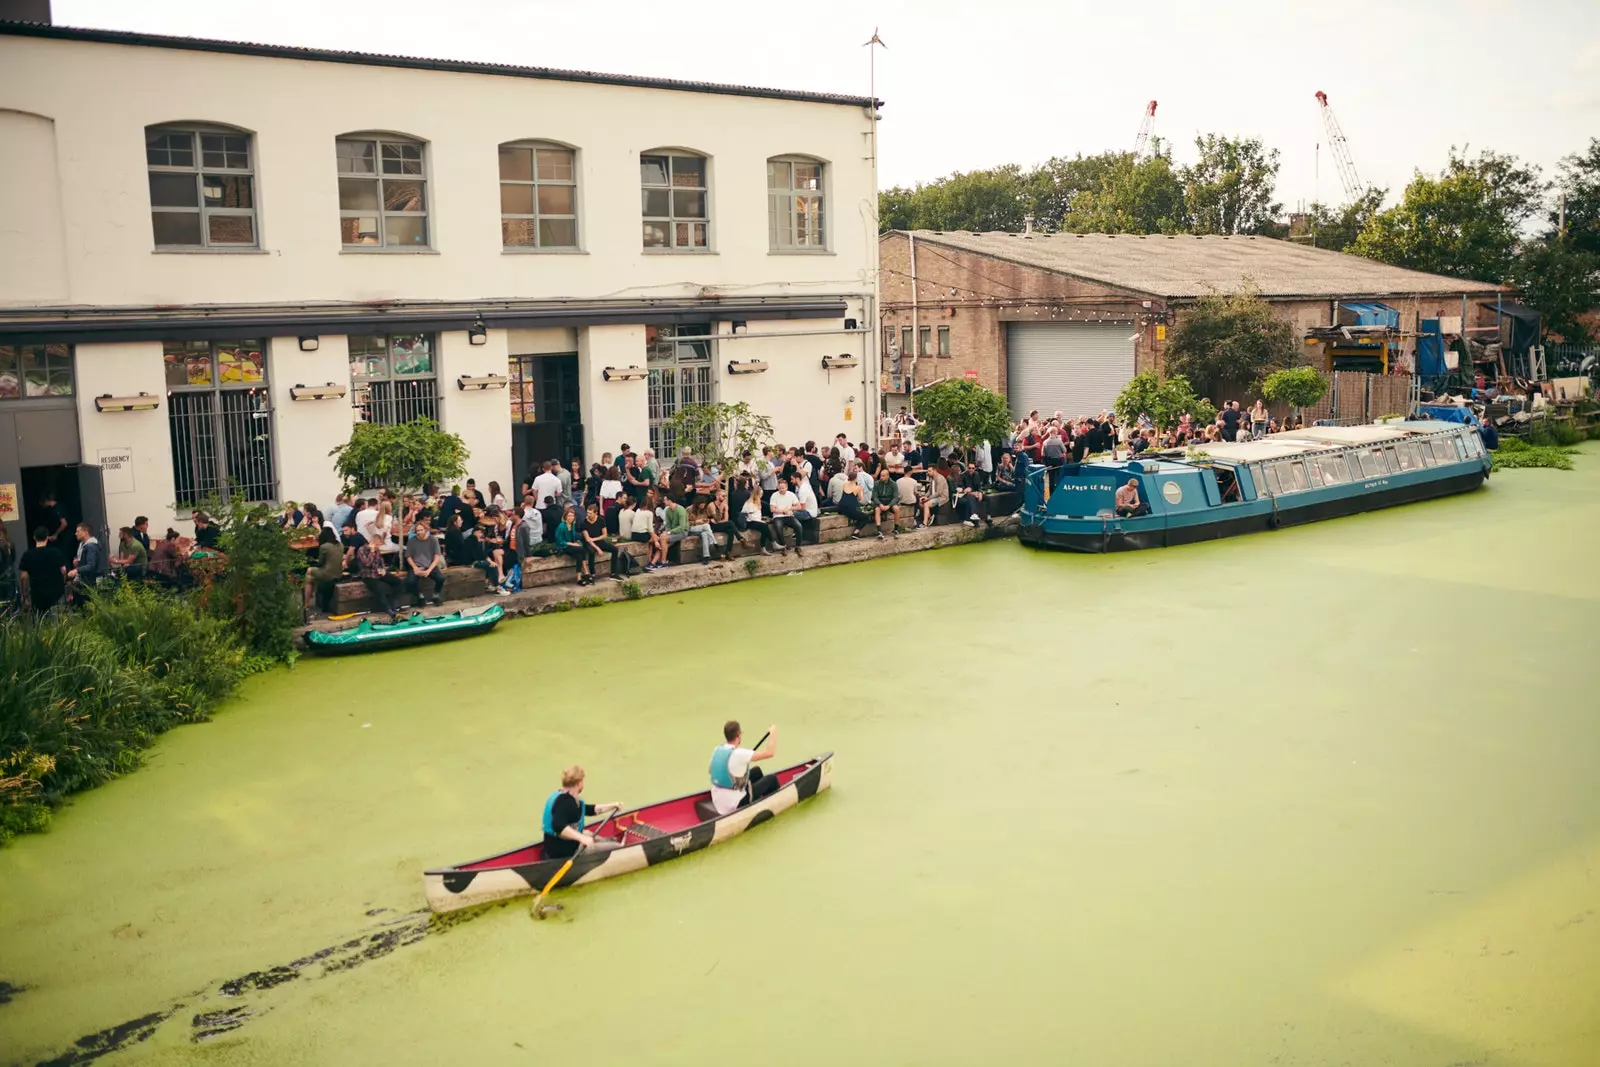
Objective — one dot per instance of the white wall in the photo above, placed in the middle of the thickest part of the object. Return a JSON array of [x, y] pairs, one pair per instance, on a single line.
[[613, 412], [305, 431], [101, 97], [31, 227], [128, 369], [543, 341], [482, 417], [804, 401]]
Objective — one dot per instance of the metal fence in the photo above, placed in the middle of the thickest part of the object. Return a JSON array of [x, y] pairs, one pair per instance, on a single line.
[[397, 402], [222, 445], [1573, 361]]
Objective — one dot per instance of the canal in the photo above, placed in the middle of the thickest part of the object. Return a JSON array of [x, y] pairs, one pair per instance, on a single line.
[[1322, 796]]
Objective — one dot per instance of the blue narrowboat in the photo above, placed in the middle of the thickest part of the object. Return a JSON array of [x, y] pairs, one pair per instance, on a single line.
[[1299, 476]]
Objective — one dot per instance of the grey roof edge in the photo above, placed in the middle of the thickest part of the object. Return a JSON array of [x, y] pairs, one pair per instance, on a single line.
[[324, 55], [1466, 286]]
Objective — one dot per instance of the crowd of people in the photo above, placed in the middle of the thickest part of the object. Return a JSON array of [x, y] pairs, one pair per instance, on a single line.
[[1057, 440]]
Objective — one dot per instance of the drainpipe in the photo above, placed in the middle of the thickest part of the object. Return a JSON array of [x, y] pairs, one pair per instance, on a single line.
[[916, 331]]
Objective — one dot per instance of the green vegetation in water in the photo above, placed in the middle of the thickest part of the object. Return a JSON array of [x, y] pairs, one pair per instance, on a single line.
[[752, 566], [632, 589], [84, 693], [591, 601], [562, 605], [1514, 453]]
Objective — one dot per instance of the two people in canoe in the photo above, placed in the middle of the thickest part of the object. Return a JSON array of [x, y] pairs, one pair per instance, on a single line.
[[735, 783], [564, 814]]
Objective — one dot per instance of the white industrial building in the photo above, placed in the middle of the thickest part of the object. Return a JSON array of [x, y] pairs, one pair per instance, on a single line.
[[215, 257]]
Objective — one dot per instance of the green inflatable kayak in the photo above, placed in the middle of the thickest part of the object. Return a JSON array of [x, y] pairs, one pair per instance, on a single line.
[[369, 636]]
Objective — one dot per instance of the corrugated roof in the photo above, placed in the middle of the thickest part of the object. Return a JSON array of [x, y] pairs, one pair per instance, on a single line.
[[324, 55], [1189, 266]]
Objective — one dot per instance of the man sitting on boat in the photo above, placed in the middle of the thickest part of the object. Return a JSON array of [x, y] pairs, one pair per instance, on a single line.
[[564, 812], [1129, 506], [734, 782]]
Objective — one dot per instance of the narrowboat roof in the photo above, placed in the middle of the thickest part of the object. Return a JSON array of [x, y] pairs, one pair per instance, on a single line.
[[1320, 439]]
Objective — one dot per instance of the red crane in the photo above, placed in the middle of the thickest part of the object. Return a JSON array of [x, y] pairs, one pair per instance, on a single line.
[[1353, 185], [1141, 143]]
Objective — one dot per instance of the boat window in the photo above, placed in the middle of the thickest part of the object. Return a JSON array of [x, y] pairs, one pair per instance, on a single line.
[[1424, 453], [1391, 459], [1291, 476], [1372, 465], [1405, 456], [1335, 471], [1267, 479], [1473, 442], [1443, 450]]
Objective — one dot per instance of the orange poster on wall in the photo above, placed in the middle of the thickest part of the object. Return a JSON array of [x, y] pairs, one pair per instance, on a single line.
[[10, 509]]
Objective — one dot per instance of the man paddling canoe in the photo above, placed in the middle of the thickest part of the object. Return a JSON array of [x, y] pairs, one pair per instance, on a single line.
[[563, 819], [734, 782]]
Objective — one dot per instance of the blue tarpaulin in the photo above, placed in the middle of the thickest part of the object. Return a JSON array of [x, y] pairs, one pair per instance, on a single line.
[[1373, 314], [1448, 413], [1430, 350]]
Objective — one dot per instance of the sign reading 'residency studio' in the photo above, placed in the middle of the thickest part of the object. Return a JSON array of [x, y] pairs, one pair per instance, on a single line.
[[116, 468]]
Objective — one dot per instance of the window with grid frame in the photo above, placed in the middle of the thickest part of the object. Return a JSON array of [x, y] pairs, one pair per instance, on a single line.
[[673, 189], [202, 187], [795, 205], [944, 340], [394, 378], [680, 361], [538, 196], [32, 372], [383, 192], [219, 415]]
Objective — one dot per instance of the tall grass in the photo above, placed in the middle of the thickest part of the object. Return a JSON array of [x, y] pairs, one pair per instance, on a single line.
[[82, 695]]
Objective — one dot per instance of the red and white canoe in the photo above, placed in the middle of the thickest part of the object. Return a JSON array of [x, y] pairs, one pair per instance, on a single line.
[[652, 834]]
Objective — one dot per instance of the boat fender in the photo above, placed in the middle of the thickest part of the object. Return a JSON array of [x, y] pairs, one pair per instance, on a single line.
[[550, 811]]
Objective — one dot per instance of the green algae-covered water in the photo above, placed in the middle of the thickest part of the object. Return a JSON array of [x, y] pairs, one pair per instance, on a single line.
[[1322, 796]]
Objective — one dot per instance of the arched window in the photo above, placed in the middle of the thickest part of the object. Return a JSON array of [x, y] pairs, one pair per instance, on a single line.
[[202, 186], [794, 205], [383, 191], [676, 214], [538, 195]]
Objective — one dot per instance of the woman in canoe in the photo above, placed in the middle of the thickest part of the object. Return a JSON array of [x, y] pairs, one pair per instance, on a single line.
[[564, 813]]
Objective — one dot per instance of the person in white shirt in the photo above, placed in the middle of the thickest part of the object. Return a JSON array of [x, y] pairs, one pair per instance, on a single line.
[[836, 485], [985, 458], [548, 483], [783, 504], [734, 782], [610, 485], [366, 520], [808, 511]]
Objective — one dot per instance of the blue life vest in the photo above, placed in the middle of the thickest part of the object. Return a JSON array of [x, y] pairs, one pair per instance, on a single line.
[[550, 811], [721, 777]]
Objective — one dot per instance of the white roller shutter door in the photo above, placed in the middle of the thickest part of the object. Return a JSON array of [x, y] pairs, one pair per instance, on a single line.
[[1075, 368]]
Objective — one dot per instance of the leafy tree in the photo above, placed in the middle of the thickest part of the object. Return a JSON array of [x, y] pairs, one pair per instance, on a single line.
[[1229, 189], [1230, 339], [961, 413], [897, 209], [256, 586], [1337, 228], [974, 200], [1465, 223], [1164, 401], [403, 457], [1560, 279], [1579, 183], [1299, 387], [720, 434], [1131, 196]]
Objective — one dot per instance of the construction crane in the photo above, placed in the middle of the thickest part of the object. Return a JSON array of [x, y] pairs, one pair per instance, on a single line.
[[1141, 143], [1353, 185]]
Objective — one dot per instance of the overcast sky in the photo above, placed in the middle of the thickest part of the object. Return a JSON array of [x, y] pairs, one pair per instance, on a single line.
[[973, 84]]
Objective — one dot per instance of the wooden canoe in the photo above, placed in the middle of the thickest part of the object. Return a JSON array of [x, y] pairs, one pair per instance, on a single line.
[[650, 835]]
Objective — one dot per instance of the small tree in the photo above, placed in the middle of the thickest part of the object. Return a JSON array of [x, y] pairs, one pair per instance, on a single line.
[[403, 457], [1232, 338], [1164, 401], [1299, 387], [718, 433], [258, 587], [961, 413]]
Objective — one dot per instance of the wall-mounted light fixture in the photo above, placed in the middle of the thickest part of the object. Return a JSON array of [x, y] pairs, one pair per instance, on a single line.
[[330, 391], [478, 333], [749, 366], [740, 326], [487, 381], [310, 343], [623, 374], [843, 359], [142, 402]]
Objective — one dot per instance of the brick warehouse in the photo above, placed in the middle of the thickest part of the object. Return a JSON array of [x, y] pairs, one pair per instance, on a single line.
[[1062, 321]]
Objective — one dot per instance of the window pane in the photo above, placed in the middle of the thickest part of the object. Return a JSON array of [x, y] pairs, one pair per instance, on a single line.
[[173, 190], [412, 353], [240, 363], [555, 165], [231, 229], [403, 196], [686, 205], [558, 233], [657, 203], [187, 363], [944, 340], [402, 158], [555, 200], [808, 176], [170, 149], [10, 374], [223, 190], [369, 357], [778, 228], [176, 227], [356, 157], [516, 199], [358, 194], [516, 164], [359, 230], [38, 374], [517, 233], [403, 230], [655, 235], [59, 367], [653, 170], [698, 235], [778, 175], [688, 171]]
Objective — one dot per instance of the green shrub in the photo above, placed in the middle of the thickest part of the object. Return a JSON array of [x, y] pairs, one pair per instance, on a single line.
[[751, 566], [1532, 456], [258, 590], [632, 590], [193, 655], [591, 601]]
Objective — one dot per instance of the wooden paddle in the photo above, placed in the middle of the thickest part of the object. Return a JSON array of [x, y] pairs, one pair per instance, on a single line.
[[350, 615], [538, 910]]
